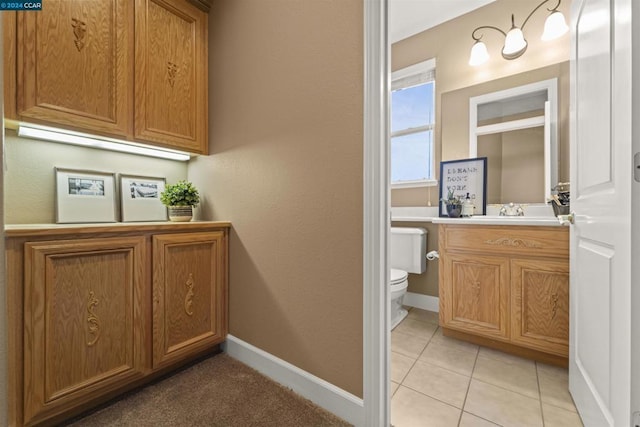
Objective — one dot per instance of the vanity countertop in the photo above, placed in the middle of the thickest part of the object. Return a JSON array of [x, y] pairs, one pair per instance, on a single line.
[[548, 221], [535, 214]]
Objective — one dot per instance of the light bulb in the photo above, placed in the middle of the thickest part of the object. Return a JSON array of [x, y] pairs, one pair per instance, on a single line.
[[514, 44], [479, 54], [554, 27]]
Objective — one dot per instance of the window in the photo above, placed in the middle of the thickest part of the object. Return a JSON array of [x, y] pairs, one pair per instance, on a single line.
[[412, 125]]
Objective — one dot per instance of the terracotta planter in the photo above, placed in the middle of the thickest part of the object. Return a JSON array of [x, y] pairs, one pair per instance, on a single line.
[[180, 213]]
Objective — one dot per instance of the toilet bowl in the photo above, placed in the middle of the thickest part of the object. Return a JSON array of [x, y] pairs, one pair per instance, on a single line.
[[398, 284]]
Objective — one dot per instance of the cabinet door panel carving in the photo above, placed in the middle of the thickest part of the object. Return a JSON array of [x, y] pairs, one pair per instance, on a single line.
[[82, 300], [189, 294]]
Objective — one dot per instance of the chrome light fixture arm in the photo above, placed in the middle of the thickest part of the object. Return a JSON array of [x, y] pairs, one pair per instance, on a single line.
[[476, 38], [515, 43], [554, 9]]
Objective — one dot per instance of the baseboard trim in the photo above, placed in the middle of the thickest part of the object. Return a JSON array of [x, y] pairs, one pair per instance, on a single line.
[[324, 394], [425, 302]]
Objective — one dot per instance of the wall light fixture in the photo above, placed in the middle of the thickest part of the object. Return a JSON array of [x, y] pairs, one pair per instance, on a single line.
[[514, 42]]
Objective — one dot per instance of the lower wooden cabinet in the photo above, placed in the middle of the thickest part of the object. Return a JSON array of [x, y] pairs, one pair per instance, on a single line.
[[477, 296], [188, 294], [101, 309], [540, 304], [83, 301], [507, 286]]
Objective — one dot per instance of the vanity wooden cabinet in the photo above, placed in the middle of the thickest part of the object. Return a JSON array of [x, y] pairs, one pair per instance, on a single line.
[[99, 309], [506, 287], [79, 64]]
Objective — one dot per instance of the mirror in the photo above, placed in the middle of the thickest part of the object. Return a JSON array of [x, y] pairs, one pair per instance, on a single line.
[[516, 130], [519, 123]]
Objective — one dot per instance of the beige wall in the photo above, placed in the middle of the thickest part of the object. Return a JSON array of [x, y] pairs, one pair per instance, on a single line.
[[515, 165], [523, 166], [286, 169], [450, 44], [30, 177]]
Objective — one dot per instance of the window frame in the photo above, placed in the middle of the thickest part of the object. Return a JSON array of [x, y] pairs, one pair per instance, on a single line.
[[416, 72]]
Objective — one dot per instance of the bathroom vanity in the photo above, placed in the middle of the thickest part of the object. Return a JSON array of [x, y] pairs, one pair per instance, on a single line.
[[506, 286]]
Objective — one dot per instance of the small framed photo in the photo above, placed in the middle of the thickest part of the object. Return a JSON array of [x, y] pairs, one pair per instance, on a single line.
[[140, 198], [462, 177], [85, 196]]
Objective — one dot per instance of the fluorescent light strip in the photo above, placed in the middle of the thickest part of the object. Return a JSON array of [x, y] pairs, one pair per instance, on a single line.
[[68, 137]]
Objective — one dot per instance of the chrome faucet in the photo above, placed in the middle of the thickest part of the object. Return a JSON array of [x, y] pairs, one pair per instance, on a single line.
[[511, 210]]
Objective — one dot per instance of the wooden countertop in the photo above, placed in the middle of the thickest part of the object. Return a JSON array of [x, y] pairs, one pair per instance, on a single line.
[[28, 230]]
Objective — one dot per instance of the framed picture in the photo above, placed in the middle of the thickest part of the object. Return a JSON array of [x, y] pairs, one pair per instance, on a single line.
[[140, 198], [467, 176], [85, 196]]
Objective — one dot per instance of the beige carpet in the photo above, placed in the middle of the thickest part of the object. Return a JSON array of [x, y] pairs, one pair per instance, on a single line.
[[219, 391]]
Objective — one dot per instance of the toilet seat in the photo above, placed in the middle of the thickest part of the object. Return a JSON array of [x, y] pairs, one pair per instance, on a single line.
[[397, 276]]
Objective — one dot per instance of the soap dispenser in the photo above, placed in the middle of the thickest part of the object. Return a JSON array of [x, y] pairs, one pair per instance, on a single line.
[[467, 207]]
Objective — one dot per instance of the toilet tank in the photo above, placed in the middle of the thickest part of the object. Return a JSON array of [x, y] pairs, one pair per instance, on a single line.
[[408, 249]]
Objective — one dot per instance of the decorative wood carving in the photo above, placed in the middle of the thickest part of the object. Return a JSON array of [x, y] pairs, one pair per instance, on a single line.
[[79, 30], [172, 70], [188, 298], [93, 320], [507, 241]]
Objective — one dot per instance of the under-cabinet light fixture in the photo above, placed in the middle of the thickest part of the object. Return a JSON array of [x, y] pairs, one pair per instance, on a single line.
[[104, 143], [514, 42]]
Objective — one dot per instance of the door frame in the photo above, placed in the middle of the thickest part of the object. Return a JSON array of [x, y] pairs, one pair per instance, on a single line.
[[376, 202]]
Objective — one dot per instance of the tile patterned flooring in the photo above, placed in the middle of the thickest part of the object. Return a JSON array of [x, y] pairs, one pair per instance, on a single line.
[[441, 381]]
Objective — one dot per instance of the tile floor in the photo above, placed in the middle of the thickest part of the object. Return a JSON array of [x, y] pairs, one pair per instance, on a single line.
[[441, 381]]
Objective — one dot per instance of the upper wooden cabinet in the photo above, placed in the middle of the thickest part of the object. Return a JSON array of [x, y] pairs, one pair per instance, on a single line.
[[171, 74], [74, 65], [133, 70]]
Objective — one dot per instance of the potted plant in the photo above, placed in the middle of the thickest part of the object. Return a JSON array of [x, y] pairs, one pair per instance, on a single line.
[[453, 203], [180, 198]]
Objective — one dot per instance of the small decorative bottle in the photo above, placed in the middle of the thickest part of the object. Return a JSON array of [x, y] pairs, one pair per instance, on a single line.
[[467, 207]]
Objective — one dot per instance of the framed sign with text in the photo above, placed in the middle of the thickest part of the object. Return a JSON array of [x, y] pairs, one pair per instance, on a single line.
[[459, 177]]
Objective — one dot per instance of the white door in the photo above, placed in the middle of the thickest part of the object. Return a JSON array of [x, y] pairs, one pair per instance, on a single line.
[[601, 179]]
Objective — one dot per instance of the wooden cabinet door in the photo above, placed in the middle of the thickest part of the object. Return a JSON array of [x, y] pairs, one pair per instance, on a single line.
[[189, 294], [83, 318], [75, 65], [171, 74], [540, 304], [474, 294]]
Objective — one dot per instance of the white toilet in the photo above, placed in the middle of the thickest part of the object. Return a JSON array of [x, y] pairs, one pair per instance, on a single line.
[[407, 255]]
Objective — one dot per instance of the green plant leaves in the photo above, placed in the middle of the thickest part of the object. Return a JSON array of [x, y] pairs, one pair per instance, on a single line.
[[182, 193]]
